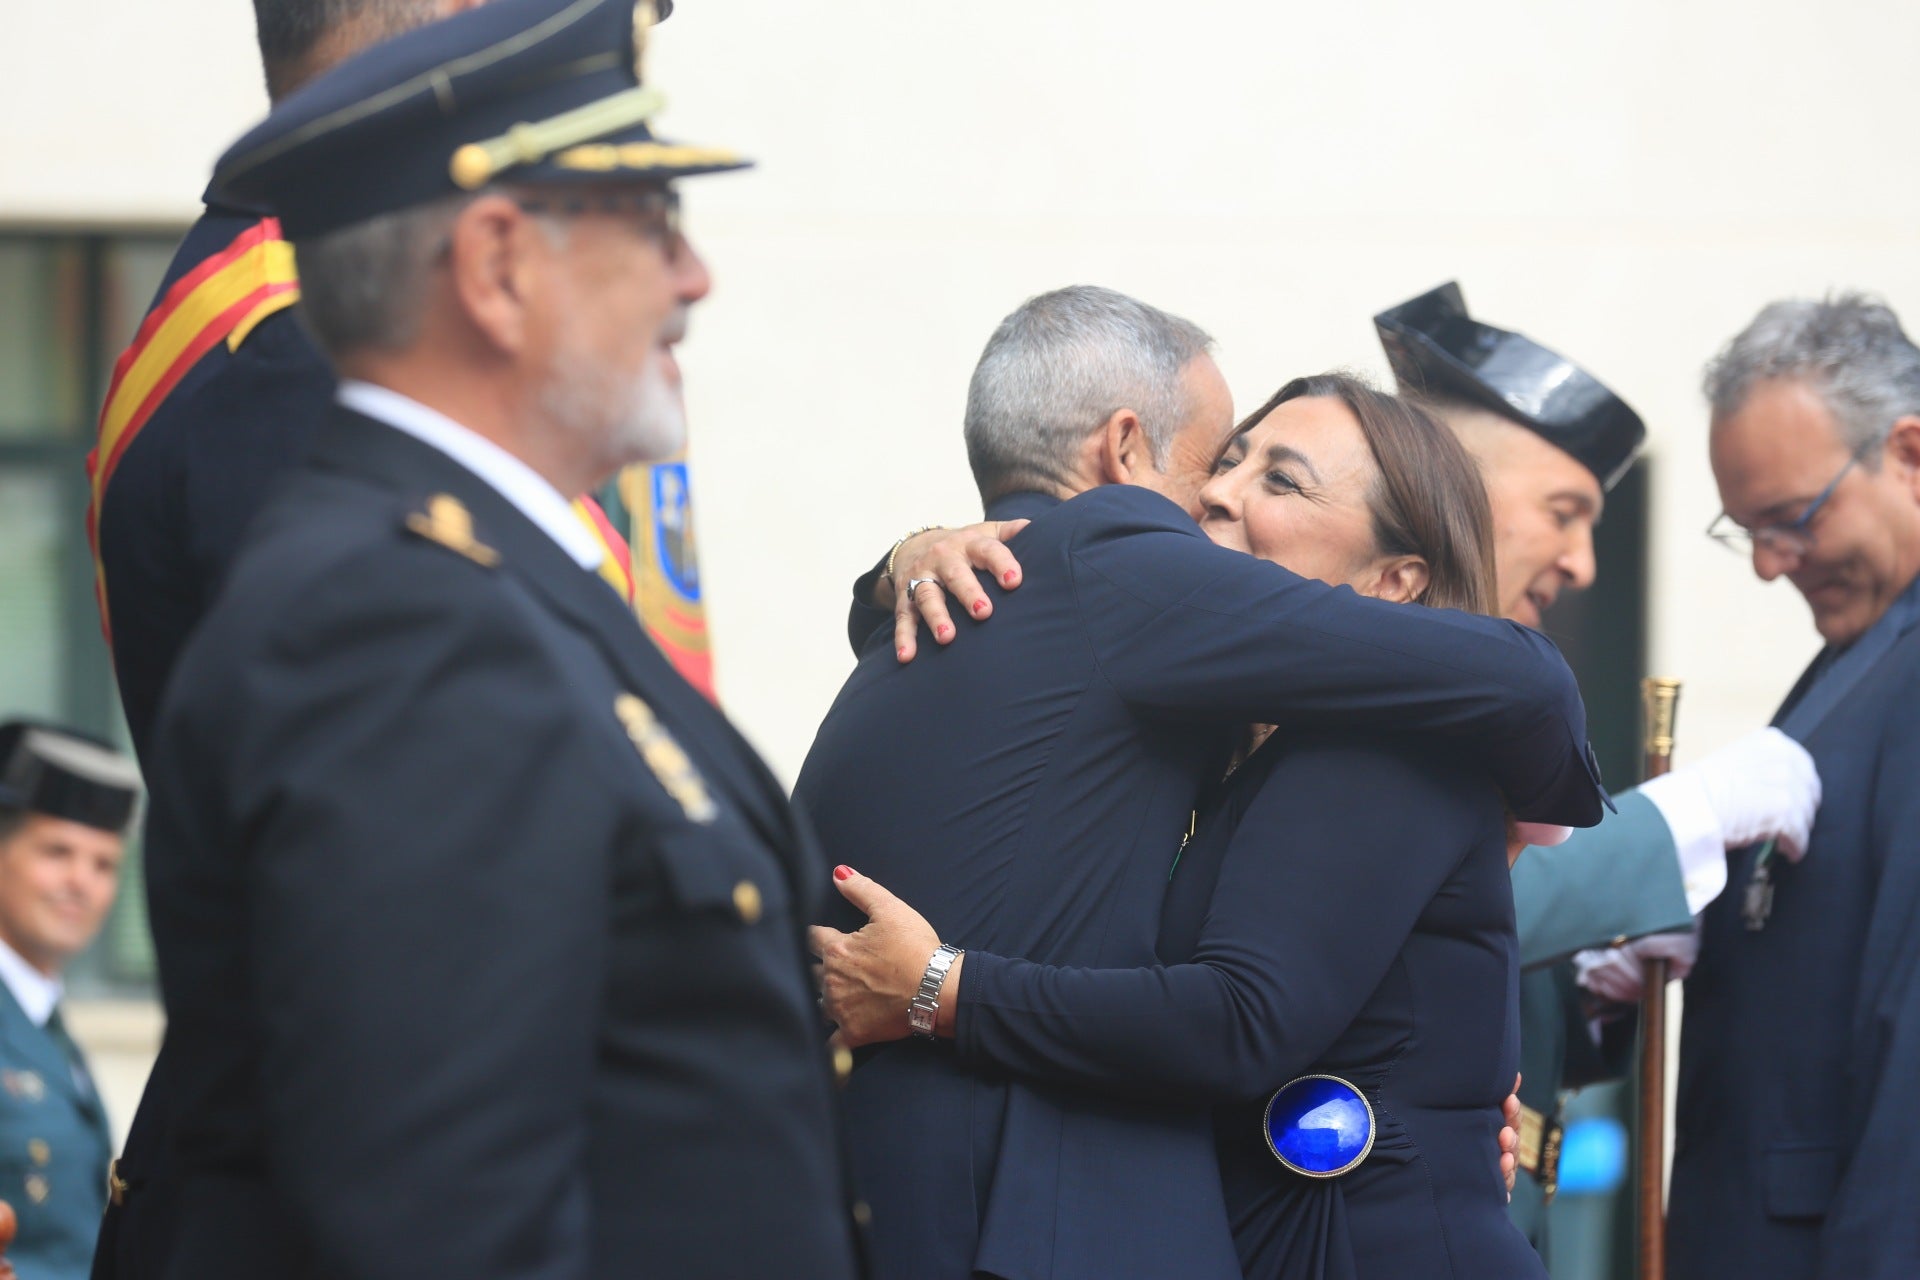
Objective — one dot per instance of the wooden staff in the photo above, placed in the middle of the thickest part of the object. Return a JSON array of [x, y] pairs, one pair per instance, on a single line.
[[1661, 698]]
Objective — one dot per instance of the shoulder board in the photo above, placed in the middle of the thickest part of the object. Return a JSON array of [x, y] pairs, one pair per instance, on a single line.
[[445, 520], [221, 300]]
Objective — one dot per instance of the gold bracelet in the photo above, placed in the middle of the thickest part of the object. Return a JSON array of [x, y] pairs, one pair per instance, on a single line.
[[925, 528]]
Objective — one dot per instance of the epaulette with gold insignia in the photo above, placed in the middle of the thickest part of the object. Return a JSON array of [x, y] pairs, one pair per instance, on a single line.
[[446, 520], [668, 760]]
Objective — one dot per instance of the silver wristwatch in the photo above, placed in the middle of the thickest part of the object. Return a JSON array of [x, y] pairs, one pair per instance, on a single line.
[[924, 1008]]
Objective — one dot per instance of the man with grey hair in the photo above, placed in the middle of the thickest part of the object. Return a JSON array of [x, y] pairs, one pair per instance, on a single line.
[[480, 929], [217, 396], [1798, 1148], [1028, 789]]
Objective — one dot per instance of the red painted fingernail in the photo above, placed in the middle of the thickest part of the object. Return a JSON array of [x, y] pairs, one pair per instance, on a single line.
[[843, 873], [1008, 577], [901, 653], [979, 606], [944, 631]]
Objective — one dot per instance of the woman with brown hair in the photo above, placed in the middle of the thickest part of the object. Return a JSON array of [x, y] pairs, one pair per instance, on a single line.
[[1340, 967]]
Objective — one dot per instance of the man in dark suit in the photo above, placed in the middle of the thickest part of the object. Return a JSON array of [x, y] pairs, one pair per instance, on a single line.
[[1026, 788], [479, 928], [1797, 1151]]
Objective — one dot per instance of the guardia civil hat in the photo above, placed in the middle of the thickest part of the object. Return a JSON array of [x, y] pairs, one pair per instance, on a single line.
[[519, 91], [1437, 349], [63, 774]]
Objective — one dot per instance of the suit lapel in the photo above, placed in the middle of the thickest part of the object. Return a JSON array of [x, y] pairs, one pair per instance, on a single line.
[[357, 445], [1825, 684]]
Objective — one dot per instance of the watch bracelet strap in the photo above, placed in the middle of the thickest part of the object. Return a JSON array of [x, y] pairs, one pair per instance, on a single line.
[[926, 1001]]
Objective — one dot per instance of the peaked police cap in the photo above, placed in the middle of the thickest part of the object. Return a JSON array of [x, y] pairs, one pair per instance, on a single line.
[[517, 91]]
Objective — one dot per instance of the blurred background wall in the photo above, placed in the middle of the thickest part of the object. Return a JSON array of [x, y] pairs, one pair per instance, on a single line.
[[1627, 182]]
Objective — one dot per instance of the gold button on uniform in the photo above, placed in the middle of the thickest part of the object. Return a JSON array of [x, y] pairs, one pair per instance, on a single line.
[[862, 1214], [842, 1063], [746, 900], [38, 1151], [36, 1188]]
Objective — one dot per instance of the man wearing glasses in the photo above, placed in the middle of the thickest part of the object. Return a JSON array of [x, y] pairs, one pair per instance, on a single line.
[[480, 928], [1798, 1145]]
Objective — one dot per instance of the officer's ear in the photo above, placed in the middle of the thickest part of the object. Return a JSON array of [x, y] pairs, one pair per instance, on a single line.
[[1903, 453], [493, 254], [1125, 455]]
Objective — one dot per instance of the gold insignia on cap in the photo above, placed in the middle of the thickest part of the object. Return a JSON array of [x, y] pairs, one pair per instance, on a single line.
[[471, 167], [38, 1151], [605, 157], [475, 164], [37, 1188], [448, 522], [673, 769]]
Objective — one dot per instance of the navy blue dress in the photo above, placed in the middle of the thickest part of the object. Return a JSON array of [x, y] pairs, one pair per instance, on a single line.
[[1345, 908]]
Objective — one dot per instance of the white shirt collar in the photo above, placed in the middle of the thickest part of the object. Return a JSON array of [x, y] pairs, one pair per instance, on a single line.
[[33, 991], [515, 481]]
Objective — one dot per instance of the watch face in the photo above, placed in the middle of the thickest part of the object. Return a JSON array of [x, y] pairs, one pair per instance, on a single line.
[[920, 1021]]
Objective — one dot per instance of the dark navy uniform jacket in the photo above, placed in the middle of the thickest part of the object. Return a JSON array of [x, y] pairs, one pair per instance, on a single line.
[[480, 930], [170, 514], [1797, 1150], [1027, 788], [184, 490]]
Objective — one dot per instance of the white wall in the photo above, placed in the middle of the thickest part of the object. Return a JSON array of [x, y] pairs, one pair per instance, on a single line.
[[1628, 182]]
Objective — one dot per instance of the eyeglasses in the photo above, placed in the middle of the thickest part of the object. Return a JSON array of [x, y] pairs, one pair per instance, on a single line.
[[1792, 539], [655, 210]]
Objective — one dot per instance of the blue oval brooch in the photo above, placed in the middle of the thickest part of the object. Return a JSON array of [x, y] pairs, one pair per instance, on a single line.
[[1319, 1126]]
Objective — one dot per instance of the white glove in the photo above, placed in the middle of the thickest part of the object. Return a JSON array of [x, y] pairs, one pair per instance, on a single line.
[[1617, 974], [1762, 786]]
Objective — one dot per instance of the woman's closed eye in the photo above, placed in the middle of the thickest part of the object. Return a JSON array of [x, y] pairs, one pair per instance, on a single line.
[[1280, 480]]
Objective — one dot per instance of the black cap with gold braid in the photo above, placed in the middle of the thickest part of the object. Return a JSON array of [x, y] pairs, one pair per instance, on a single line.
[[519, 91]]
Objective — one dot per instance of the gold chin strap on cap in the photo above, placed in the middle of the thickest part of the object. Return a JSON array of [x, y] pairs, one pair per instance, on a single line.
[[478, 163]]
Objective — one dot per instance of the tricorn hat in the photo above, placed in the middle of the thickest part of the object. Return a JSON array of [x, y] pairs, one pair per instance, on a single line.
[[522, 91], [1437, 349], [63, 774]]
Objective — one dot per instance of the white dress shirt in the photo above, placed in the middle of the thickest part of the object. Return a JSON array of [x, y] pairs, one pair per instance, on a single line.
[[513, 479], [33, 991]]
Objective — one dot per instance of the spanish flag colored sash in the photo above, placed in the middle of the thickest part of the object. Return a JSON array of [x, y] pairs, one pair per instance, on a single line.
[[221, 300]]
